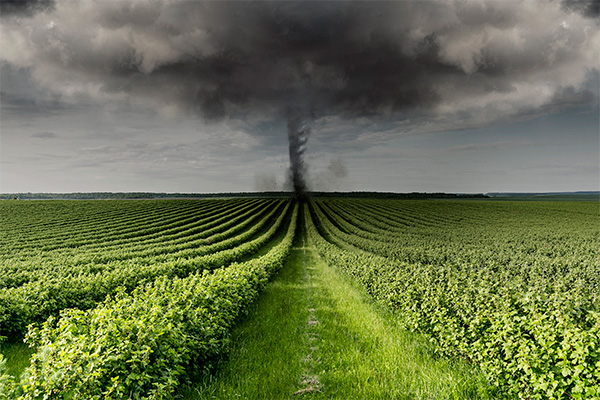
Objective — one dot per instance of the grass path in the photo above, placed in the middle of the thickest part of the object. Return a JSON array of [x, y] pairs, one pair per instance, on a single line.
[[264, 362], [314, 335], [17, 356]]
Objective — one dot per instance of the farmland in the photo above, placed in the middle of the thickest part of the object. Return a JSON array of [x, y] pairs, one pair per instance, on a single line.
[[137, 299]]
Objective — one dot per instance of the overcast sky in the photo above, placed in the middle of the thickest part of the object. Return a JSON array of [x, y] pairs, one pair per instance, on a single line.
[[172, 96]]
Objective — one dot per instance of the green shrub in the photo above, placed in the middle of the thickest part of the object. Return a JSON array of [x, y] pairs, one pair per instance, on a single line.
[[7, 383], [533, 339], [143, 344]]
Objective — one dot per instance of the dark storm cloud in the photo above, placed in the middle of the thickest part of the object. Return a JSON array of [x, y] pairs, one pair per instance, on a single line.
[[348, 59], [587, 8], [330, 57], [25, 7]]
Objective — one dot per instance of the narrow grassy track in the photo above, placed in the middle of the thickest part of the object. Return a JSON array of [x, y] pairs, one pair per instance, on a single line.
[[314, 335], [17, 357], [267, 346]]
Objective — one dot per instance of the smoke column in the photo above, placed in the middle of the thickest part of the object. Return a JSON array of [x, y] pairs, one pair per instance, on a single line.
[[300, 114], [298, 132]]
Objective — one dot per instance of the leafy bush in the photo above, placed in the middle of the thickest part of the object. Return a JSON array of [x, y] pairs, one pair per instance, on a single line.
[[533, 338], [37, 300], [141, 345]]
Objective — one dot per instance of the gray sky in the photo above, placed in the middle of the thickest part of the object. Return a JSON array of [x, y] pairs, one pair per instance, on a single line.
[[172, 96]]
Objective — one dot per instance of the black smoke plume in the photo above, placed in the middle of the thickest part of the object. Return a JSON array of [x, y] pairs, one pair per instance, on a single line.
[[298, 125]]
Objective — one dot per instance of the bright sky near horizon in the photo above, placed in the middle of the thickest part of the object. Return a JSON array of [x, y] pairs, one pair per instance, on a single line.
[[196, 96]]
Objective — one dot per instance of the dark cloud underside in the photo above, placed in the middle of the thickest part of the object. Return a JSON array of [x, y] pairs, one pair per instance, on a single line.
[[415, 66], [25, 7], [587, 8], [352, 59]]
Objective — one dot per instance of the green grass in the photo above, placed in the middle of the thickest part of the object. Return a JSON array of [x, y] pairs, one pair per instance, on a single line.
[[365, 355], [17, 356], [266, 346], [314, 335]]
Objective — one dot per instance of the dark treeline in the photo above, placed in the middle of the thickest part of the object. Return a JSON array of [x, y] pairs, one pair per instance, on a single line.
[[392, 195], [133, 195], [149, 195]]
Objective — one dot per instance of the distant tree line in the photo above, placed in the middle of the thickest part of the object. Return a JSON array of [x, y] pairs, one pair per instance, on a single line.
[[150, 195], [391, 195]]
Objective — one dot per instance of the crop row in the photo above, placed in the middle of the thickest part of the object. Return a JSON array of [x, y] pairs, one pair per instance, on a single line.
[[143, 344], [87, 235], [37, 300], [567, 251], [149, 228], [56, 222], [208, 234], [533, 339], [18, 272]]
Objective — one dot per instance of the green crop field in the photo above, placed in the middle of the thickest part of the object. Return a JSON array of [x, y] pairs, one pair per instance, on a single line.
[[330, 298]]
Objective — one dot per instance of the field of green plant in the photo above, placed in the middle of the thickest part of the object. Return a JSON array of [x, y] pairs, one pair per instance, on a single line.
[[511, 287], [141, 299]]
